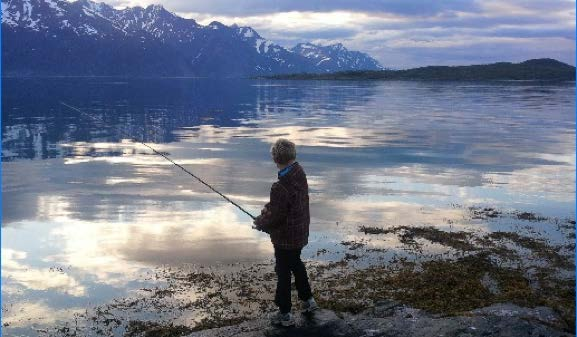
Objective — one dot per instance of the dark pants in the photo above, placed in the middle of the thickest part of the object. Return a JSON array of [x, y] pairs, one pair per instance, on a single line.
[[288, 261]]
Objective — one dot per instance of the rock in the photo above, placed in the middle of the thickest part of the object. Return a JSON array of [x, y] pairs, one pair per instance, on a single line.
[[539, 314], [385, 308], [321, 323], [491, 284], [392, 319], [476, 326]]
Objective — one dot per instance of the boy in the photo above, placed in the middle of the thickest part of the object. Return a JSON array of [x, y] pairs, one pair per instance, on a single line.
[[286, 218]]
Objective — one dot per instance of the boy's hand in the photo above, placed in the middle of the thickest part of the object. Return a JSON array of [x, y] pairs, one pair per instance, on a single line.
[[255, 223], [264, 213]]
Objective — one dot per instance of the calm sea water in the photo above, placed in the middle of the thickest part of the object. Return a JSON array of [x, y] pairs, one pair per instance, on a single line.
[[85, 208]]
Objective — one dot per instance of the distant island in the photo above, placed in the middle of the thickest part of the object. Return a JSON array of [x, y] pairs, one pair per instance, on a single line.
[[538, 69]]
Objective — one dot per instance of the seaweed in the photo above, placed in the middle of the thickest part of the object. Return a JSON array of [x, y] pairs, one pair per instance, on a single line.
[[529, 216], [353, 245], [484, 213], [408, 236], [374, 230], [538, 247], [153, 329]]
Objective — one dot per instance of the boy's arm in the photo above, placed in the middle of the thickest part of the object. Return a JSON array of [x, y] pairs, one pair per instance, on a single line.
[[275, 212]]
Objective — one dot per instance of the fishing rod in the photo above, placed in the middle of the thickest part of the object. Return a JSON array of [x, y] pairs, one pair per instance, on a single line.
[[169, 159]]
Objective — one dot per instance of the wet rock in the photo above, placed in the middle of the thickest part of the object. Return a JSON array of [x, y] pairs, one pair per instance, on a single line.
[[385, 308], [322, 323], [538, 314], [390, 318], [455, 327]]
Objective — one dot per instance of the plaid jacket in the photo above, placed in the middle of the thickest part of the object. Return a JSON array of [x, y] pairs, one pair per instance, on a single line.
[[286, 217]]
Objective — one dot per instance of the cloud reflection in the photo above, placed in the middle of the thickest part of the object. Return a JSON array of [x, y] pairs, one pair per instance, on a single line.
[[14, 270], [25, 314], [162, 236], [335, 136]]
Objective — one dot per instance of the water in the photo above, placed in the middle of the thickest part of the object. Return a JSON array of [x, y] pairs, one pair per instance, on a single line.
[[88, 214]]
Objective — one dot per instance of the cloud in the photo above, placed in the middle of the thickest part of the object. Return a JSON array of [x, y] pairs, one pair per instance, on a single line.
[[464, 50], [252, 7]]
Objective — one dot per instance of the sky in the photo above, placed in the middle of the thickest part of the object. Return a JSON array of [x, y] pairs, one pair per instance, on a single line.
[[402, 33]]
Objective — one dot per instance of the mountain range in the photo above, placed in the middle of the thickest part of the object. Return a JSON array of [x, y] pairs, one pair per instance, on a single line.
[[57, 37]]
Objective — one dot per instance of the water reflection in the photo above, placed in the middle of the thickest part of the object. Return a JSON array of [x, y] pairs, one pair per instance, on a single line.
[[93, 211]]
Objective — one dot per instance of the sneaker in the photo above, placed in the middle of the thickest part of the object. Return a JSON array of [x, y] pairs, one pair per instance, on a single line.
[[309, 305], [282, 319]]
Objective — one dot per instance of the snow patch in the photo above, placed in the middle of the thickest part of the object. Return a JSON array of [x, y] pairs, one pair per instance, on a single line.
[[33, 24], [266, 46], [89, 30], [8, 17], [338, 46], [27, 14], [59, 11], [311, 54], [94, 7], [157, 8], [324, 60], [51, 4], [87, 12], [257, 44], [248, 33], [27, 10]]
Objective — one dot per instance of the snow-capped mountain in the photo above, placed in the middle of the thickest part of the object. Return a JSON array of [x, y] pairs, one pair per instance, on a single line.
[[336, 57], [57, 37]]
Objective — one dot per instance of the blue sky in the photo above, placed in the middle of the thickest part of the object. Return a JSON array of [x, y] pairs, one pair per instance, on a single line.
[[402, 33]]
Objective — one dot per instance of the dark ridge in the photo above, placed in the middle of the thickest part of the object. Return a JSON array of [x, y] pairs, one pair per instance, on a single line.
[[545, 69]]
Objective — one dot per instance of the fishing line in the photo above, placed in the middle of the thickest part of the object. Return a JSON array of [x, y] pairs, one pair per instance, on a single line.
[[167, 158]]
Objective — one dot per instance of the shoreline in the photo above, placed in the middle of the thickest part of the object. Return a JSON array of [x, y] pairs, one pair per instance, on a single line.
[[439, 272]]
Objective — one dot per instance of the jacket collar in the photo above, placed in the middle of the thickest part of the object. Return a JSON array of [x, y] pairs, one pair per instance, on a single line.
[[286, 170]]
